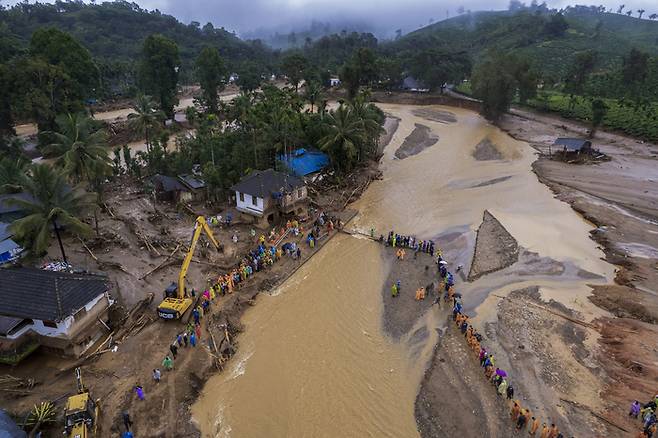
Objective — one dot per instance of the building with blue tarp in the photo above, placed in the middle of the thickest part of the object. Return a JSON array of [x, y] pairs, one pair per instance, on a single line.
[[304, 162]]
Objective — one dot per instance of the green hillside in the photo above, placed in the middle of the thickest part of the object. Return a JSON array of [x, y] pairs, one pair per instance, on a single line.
[[537, 34], [114, 32]]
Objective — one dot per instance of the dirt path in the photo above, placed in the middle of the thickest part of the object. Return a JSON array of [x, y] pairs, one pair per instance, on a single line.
[[455, 398]]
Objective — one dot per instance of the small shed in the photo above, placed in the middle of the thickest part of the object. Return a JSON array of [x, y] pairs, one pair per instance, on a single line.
[[410, 83], [334, 82], [168, 188], [195, 186], [572, 145]]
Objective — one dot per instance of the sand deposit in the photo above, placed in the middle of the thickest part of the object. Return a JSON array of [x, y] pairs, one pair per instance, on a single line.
[[420, 139]]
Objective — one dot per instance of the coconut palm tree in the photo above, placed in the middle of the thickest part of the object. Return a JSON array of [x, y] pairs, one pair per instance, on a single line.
[[640, 12], [12, 171], [313, 93], [371, 119], [146, 118], [53, 205], [653, 16], [78, 146], [345, 134]]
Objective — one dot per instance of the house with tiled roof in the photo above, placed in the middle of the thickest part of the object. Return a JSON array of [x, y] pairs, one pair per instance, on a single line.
[[266, 196], [66, 312]]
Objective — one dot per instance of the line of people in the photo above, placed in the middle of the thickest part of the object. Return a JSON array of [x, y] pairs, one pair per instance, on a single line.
[[522, 418], [410, 242]]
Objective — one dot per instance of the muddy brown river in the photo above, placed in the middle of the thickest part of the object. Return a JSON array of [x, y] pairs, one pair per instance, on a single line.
[[314, 360]]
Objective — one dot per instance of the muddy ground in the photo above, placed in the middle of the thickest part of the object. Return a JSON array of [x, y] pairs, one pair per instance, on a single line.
[[416, 270], [454, 397], [130, 221], [620, 198], [420, 139], [454, 380]]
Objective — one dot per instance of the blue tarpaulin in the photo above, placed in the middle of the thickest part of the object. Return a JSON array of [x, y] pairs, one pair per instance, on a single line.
[[304, 162]]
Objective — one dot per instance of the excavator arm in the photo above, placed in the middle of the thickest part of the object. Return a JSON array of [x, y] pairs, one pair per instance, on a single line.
[[199, 226]]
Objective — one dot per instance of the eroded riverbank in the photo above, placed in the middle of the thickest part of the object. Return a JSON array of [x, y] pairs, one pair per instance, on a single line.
[[314, 347]]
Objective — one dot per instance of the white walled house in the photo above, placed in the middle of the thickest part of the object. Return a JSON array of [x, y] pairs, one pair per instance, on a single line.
[[247, 203], [264, 196], [58, 310]]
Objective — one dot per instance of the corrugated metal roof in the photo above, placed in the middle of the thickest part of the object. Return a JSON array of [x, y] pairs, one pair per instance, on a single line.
[[167, 183], [6, 324], [572, 144], [46, 295], [192, 181]]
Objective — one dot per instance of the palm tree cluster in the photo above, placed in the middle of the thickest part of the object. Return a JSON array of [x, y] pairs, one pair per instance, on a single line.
[[57, 197], [352, 132], [256, 129]]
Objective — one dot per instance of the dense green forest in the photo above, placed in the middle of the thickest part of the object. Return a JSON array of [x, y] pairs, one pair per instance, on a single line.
[[113, 32]]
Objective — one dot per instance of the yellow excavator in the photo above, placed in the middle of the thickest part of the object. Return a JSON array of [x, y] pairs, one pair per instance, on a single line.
[[81, 412], [177, 300]]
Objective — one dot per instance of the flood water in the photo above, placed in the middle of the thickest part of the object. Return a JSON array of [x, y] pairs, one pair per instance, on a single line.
[[314, 360]]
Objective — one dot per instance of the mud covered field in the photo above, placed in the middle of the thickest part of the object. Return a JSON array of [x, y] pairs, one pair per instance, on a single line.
[[620, 198]]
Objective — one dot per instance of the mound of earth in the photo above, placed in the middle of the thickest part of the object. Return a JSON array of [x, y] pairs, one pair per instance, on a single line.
[[420, 139], [435, 115], [626, 302], [486, 151], [390, 126], [495, 248]]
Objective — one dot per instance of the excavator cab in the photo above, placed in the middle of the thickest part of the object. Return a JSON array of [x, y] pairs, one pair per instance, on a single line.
[[170, 292], [81, 412], [173, 307]]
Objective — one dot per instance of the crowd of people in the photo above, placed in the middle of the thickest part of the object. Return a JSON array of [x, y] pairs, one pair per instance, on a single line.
[[646, 413]]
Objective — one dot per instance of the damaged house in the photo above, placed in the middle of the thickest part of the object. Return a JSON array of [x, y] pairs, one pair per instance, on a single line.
[[265, 197], [61, 311]]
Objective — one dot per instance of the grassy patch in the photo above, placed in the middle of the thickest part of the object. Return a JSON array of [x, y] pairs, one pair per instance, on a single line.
[[637, 122]]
